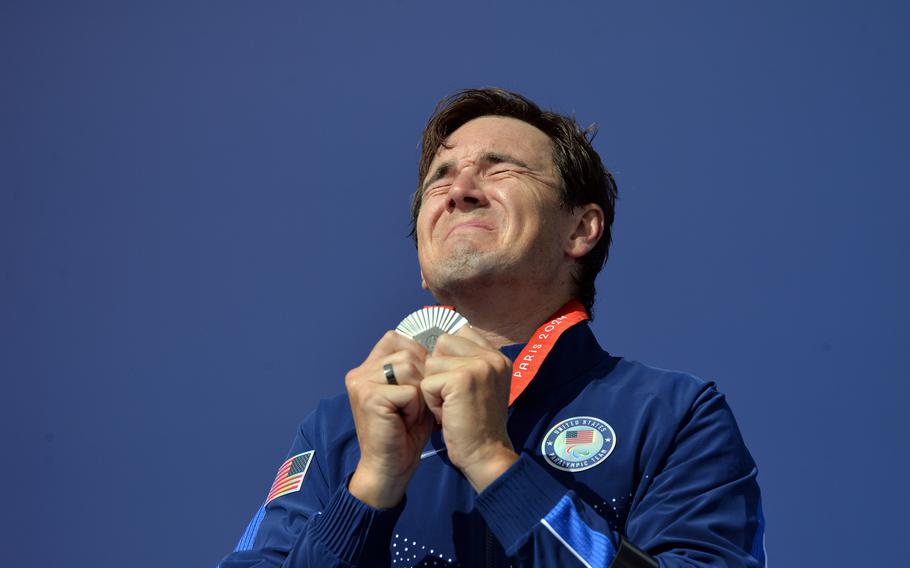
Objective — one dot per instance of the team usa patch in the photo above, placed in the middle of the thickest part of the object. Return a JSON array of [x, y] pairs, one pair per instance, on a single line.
[[290, 475], [578, 443]]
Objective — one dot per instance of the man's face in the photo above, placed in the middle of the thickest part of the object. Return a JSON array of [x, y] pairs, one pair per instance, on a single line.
[[491, 208]]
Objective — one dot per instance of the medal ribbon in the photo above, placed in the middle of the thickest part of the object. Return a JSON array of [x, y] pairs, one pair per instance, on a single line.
[[528, 362]]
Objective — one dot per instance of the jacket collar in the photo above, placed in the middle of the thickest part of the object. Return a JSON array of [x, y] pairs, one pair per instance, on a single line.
[[576, 352]]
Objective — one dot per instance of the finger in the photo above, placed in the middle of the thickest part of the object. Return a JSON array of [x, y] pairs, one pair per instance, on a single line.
[[406, 368], [432, 389], [414, 409], [406, 400], [436, 364], [456, 346], [391, 342], [472, 334]]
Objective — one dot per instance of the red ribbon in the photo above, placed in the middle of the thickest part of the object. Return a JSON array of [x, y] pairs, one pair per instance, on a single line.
[[528, 362]]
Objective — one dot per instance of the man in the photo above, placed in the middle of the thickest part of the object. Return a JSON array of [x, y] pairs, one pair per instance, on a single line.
[[518, 441]]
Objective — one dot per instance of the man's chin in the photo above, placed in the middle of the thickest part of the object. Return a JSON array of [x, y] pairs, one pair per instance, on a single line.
[[465, 273]]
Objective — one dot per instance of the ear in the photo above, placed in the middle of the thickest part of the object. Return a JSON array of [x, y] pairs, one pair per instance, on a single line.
[[588, 228], [423, 281]]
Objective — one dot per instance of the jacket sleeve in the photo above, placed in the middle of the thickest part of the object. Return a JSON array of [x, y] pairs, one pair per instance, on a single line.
[[702, 507], [318, 525]]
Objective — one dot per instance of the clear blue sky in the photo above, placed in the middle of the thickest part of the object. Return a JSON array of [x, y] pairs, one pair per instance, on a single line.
[[203, 220]]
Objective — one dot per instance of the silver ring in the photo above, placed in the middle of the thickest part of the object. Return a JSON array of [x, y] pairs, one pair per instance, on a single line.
[[389, 374]]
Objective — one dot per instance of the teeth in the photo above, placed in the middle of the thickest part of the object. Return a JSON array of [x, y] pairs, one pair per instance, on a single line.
[[427, 324]]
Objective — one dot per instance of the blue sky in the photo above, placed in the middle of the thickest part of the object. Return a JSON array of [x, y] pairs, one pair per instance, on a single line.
[[203, 226]]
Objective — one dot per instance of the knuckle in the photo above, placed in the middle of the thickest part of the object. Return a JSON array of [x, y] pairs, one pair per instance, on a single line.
[[366, 395], [408, 369], [355, 391], [419, 357], [465, 374], [444, 339]]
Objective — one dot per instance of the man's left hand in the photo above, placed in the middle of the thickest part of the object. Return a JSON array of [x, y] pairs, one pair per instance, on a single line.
[[466, 387]]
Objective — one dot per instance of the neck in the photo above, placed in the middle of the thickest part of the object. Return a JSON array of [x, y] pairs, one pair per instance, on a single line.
[[506, 318]]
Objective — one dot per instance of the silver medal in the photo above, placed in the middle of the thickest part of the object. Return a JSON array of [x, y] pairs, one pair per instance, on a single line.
[[426, 325]]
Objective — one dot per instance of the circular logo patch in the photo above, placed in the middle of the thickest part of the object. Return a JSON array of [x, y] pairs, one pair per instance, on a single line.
[[579, 443]]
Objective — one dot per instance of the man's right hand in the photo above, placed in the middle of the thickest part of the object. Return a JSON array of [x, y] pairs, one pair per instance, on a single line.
[[392, 421]]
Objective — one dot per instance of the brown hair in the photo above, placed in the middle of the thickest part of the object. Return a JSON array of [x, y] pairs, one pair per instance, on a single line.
[[584, 177]]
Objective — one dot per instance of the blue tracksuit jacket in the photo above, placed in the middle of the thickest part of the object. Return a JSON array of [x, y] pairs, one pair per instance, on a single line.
[[609, 448]]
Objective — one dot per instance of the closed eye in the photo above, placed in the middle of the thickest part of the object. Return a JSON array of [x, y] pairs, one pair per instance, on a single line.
[[438, 176], [441, 186], [494, 159]]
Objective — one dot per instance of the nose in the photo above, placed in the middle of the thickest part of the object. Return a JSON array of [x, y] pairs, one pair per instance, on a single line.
[[465, 193]]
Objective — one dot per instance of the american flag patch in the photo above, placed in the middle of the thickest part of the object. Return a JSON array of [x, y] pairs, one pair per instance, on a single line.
[[290, 475], [577, 437]]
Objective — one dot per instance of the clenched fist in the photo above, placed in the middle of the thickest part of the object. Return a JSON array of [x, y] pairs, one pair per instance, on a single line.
[[392, 421], [466, 387]]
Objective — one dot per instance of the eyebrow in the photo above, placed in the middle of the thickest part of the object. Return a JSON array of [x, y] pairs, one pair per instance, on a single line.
[[488, 157]]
